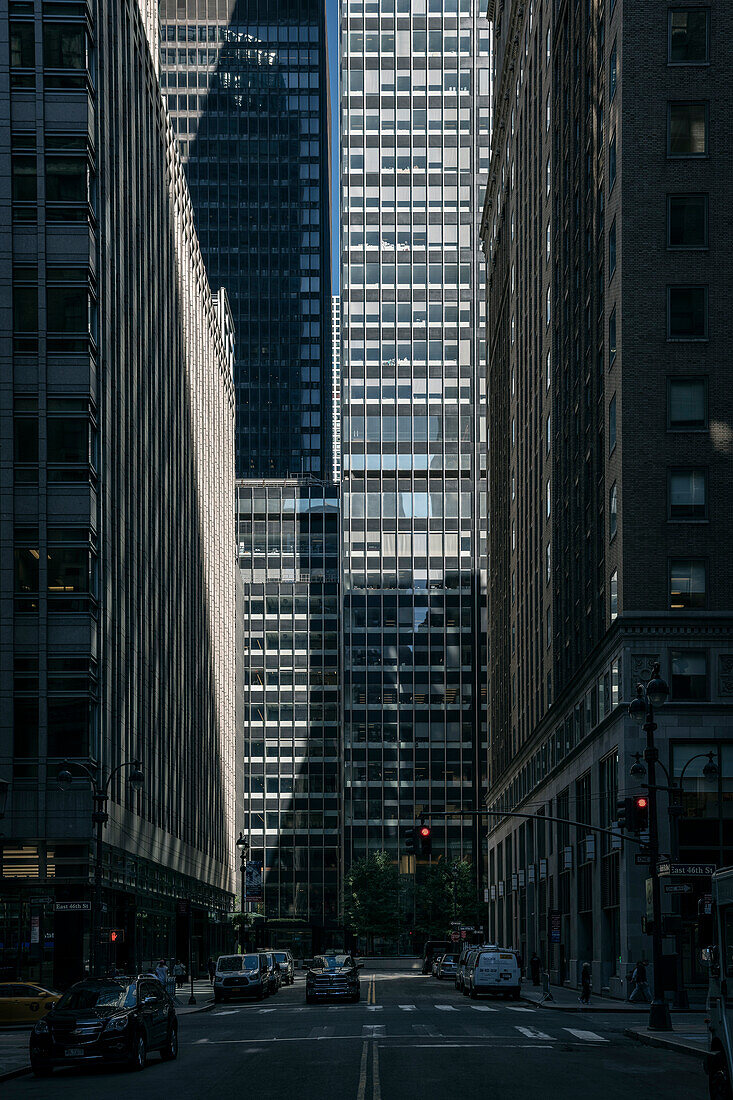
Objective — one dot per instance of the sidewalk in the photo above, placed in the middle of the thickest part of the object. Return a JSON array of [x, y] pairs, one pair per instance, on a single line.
[[566, 1000], [14, 1052], [203, 991], [689, 1036]]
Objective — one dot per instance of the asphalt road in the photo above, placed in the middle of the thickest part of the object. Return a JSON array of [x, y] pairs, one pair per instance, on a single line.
[[410, 1038]]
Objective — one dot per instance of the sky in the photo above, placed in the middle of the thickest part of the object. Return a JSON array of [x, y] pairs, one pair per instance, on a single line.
[[332, 20]]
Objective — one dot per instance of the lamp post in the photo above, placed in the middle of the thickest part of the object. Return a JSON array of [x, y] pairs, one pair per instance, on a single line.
[[676, 810], [641, 710], [243, 845], [100, 817]]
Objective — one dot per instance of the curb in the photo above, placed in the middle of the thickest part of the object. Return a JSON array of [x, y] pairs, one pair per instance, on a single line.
[[193, 1010], [11, 1073], [666, 1044]]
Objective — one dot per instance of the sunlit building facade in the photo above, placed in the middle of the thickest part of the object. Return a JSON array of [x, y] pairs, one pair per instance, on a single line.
[[414, 118]]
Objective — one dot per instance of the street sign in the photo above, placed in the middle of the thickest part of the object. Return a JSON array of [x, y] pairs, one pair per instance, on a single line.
[[486, 895], [554, 926], [640, 860], [40, 899], [678, 887], [73, 906], [685, 870]]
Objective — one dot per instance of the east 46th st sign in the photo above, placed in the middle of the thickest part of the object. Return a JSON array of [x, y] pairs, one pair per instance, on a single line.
[[665, 869]]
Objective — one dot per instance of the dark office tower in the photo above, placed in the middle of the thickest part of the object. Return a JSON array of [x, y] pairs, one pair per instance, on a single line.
[[608, 249], [415, 79], [118, 578], [247, 85], [288, 556]]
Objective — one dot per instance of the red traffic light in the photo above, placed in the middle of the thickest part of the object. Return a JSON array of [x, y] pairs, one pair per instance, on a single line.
[[425, 830], [642, 802], [116, 935]]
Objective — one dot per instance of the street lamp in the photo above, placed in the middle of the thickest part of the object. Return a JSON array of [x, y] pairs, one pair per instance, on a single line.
[[641, 710], [243, 845], [676, 810], [100, 817]]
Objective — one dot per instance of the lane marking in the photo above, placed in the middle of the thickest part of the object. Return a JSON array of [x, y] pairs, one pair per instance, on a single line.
[[262, 1011], [446, 1008], [321, 1032], [376, 1087], [373, 1031], [533, 1033], [231, 1012], [586, 1036], [408, 1008], [426, 1029], [483, 1008], [374, 1008], [198, 1041], [361, 1090], [516, 1008]]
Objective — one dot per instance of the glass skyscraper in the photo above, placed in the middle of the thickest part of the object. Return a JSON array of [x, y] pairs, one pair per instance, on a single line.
[[414, 118], [247, 86]]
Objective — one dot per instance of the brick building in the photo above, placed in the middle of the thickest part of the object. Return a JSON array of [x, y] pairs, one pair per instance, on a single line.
[[607, 244]]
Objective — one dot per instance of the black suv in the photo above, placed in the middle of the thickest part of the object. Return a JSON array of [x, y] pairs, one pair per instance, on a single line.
[[284, 960], [332, 976], [106, 1020]]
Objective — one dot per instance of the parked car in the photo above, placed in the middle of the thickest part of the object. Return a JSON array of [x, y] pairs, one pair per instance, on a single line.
[[242, 976], [274, 979], [436, 963], [332, 976], [447, 966], [106, 1020], [431, 949], [463, 960], [494, 970], [24, 1002], [285, 961]]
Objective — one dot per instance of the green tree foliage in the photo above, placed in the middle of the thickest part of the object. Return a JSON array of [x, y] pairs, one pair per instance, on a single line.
[[445, 892], [371, 896]]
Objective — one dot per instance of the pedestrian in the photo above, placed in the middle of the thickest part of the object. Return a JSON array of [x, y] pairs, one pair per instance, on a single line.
[[161, 972], [535, 965], [211, 967], [585, 984], [641, 991], [179, 973]]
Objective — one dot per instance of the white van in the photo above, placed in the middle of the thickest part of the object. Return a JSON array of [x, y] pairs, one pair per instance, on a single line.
[[493, 970]]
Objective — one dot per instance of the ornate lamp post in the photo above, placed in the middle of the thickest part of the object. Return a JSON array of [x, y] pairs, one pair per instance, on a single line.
[[641, 709], [100, 817]]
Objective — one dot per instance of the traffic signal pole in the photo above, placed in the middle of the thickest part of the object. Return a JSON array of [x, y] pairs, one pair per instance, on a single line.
[[659, 1017]]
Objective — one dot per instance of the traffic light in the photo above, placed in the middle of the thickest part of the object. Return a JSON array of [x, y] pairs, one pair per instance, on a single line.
[[639, 822], [624, 813], [116, 935], [426, 840], [411, 842]]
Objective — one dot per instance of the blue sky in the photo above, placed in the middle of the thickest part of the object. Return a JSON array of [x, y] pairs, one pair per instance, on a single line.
[[332, 18]]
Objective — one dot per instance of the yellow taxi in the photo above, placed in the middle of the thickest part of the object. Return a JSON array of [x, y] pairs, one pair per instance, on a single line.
[[24, 1003]]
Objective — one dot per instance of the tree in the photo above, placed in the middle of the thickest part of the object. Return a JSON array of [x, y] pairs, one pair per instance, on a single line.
[[446, 893], [371, 897]]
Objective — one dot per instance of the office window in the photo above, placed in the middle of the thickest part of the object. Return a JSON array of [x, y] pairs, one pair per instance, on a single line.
[[687, 130], [611, 163], [612, 336], [687, 312], [689, 37], [687, 403], [22, 54], [612, 425], [613, 595], [687, 584], [687, 494], [687, 221], [612, 250], [66, 179], [689, 674], [613, 511], [64, 46]]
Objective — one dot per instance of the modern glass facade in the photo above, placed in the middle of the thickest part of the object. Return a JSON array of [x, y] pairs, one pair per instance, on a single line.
[[414, 123], [336, 384], [288, 533], [247, 85]]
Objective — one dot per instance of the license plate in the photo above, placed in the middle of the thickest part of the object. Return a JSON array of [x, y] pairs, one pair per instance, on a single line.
[[74, 1052]]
